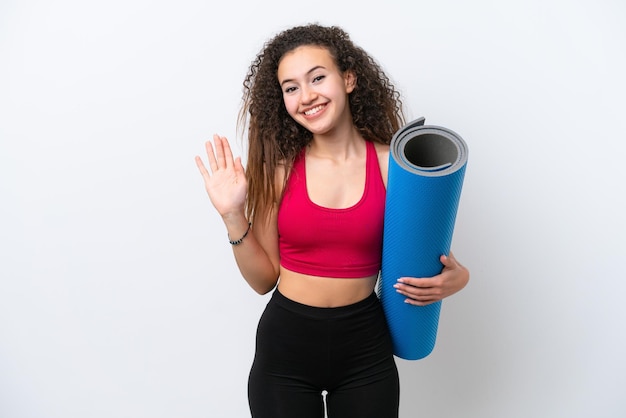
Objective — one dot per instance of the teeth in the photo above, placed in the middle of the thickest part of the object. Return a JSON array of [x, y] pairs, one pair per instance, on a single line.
[[313, 111]]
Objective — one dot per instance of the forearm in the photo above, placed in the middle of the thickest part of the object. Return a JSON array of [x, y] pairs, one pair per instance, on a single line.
[[257, 253], [255, 264]]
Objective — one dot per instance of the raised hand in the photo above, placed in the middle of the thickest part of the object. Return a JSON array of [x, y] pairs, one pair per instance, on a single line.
[[226, 182]]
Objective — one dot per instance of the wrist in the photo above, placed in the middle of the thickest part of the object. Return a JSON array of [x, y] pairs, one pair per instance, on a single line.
[[237, 227], [240, 239], [234, 219]]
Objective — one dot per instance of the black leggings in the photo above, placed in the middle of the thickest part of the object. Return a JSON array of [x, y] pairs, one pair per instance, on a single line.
[[302, 351]]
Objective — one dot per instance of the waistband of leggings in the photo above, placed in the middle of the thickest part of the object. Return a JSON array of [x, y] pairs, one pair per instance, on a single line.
[[366, 304]]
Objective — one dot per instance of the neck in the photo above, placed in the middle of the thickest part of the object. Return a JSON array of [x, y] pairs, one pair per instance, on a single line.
[[340, 144]]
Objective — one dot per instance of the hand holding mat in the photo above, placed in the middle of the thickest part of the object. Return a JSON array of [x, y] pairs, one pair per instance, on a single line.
[[426, 172]]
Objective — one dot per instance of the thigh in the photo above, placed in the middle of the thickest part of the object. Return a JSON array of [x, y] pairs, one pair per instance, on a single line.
[[285, 377], [366, 382], [274, 397], [376, 397]]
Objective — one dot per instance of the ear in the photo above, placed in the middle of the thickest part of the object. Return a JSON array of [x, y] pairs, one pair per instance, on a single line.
[[349, 79]]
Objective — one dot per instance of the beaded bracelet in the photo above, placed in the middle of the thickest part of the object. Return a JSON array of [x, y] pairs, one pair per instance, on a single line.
[[240, 240]]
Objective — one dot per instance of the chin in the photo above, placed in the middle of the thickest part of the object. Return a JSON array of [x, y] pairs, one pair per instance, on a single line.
[[317, 129]]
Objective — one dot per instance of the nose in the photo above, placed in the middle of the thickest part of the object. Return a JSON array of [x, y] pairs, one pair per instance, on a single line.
[[308, 95]]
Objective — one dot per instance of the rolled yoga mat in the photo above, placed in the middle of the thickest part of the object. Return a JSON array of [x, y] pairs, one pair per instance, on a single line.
[[426, 171]]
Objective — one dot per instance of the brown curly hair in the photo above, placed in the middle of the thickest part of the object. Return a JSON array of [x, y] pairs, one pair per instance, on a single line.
[[274, 138]]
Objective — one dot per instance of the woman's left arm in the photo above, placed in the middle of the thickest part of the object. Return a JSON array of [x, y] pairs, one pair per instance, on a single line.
[[424, 291]]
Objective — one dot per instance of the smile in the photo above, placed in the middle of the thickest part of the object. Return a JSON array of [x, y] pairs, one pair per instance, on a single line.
[[314, 110]]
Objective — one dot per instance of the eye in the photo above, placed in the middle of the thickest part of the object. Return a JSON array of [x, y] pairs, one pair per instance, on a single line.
[[318, 78], [290, 89]]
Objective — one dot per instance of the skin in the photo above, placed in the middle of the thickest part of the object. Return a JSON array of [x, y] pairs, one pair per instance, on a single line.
[[315, 94]]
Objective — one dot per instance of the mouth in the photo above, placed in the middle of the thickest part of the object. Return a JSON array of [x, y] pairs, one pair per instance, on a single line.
[[314, 110]]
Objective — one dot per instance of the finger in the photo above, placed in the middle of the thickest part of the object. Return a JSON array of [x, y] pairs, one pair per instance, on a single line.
[[239, 166], [417, 293], [228, 153], [419, 302], [420, 294], [427, 291], [219, 151], [202, 168], [447, 260], [211, 156], [419, 283]]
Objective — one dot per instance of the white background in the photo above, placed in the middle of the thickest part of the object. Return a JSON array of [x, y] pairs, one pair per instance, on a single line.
[[119, 296]]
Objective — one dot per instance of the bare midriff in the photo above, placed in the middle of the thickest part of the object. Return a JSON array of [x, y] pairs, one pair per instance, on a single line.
[[324, 292]]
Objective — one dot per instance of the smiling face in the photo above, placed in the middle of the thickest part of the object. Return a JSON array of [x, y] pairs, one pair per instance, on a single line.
[[315, 92]]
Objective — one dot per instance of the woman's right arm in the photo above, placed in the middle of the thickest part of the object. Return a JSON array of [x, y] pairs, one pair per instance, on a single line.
[[257, 253]]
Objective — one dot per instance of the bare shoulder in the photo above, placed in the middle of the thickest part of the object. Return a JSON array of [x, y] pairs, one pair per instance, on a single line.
[[382, 150]]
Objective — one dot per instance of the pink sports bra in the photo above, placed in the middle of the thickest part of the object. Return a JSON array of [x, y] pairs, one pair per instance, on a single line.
[[320, 241]]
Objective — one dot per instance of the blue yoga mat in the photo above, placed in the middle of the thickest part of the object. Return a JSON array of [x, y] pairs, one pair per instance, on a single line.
[[426, 171]]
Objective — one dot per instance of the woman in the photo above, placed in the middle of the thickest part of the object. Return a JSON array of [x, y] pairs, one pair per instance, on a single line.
[[305, 220]]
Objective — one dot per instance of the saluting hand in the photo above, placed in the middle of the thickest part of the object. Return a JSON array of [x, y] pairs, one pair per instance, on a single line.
[[226, 183]]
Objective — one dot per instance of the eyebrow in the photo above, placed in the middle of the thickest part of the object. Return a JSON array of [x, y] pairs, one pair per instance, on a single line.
[[308, 72]]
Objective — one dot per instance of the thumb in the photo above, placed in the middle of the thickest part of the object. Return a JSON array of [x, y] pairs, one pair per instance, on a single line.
[[239, 165], [448, 260]]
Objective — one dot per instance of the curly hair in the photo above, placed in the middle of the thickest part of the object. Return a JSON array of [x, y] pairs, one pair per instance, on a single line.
[[275, 138]]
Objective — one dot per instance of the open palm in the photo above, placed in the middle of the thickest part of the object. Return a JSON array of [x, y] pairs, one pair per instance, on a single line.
[[226, 183]]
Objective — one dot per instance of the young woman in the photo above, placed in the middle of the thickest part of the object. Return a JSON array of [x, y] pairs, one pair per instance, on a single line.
[[305, 220]]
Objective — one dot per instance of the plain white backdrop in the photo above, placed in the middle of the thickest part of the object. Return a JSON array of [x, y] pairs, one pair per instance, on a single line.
[[119, 296]]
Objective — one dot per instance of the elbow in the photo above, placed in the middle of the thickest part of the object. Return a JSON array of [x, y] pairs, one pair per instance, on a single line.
[[265, 286], [264, 290]]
